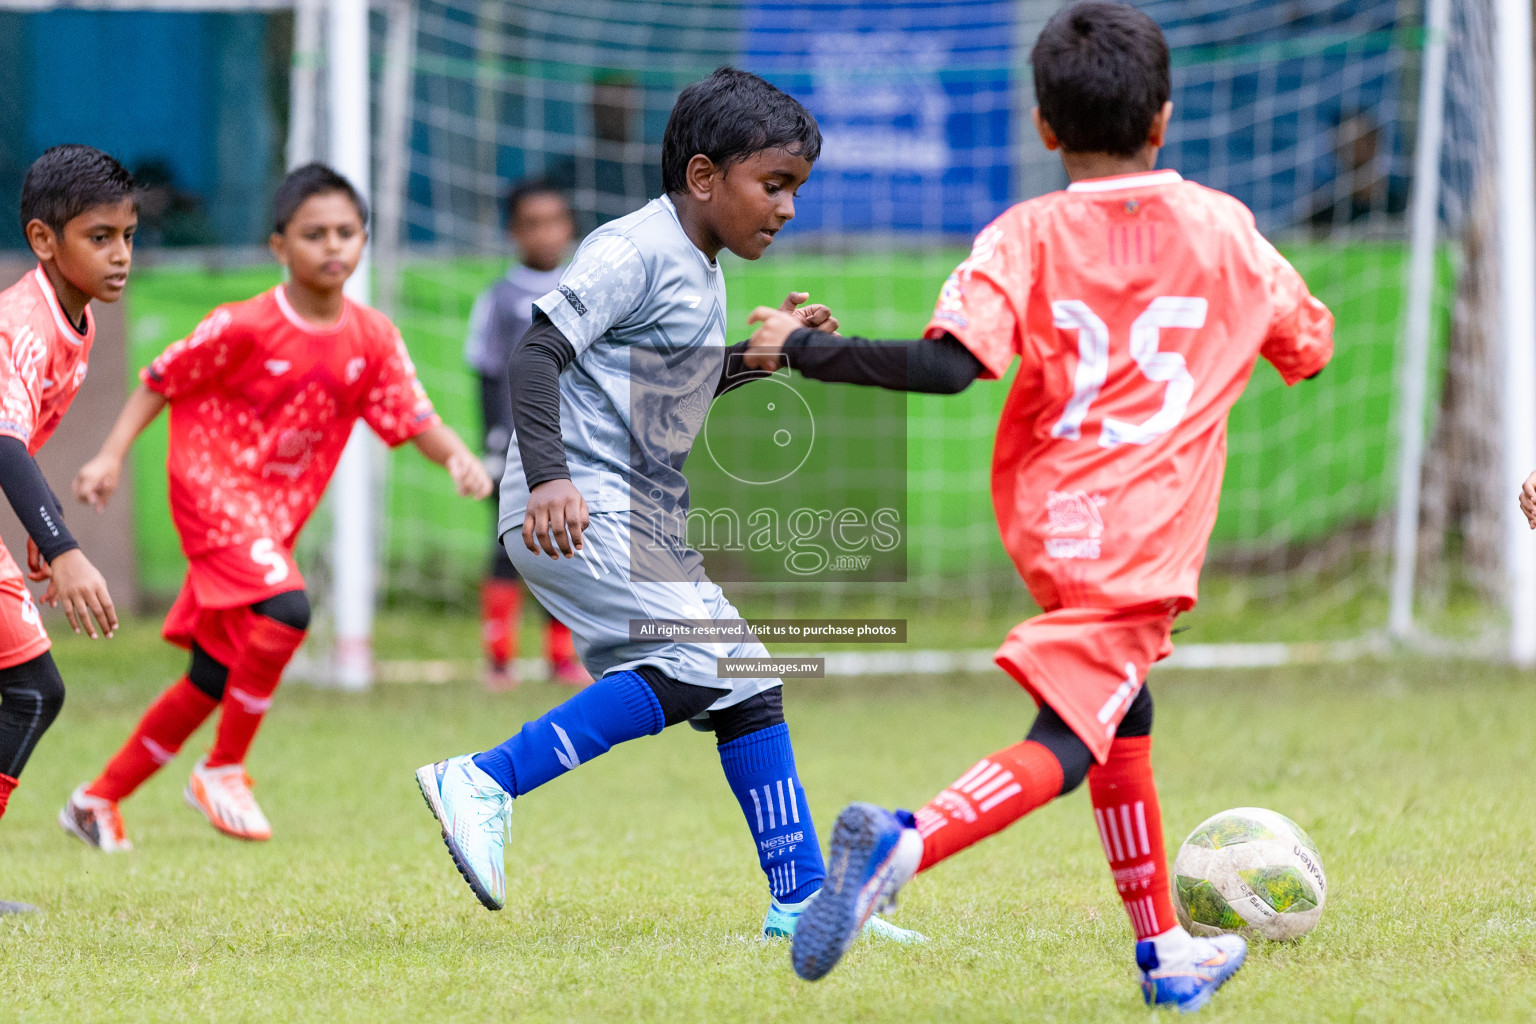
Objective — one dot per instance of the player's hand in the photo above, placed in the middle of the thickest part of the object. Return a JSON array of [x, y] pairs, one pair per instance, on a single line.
[[556, 516], [1528, 500], [766, 346], [97, 480], [80, 590], [37, 569], [815, 315], [469, 475]]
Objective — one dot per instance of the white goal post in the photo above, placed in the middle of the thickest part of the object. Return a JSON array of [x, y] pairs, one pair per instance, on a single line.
[[1517, 252]]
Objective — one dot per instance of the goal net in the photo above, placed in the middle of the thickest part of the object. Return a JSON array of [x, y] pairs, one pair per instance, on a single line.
[[1400, 457], [1308, 113]]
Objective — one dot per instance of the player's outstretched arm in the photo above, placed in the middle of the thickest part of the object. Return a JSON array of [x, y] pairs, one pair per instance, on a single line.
[[447, 449], [98, 478], [941, 366], [1528, 500]]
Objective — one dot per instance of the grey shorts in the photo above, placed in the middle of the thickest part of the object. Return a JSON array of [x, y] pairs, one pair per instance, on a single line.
[[595, 595]]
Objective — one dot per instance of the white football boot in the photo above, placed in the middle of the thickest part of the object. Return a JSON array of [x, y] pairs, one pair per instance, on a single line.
[[475, 813], [224, 797], [782, 918], [94, 821]]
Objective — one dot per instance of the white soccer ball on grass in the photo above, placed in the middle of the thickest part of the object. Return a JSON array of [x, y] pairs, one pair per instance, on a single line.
[[1252, 871]]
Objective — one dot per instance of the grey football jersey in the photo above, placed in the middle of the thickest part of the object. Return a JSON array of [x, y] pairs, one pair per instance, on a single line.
[[501, 315], [645, 311]]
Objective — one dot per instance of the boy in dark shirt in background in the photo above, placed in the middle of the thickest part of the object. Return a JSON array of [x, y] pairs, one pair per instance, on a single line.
[[540, 224]]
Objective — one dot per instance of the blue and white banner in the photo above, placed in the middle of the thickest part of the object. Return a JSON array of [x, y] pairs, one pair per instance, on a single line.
[[914, 101]]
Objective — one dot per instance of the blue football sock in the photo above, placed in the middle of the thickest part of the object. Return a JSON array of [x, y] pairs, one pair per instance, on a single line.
[[618, 707], [760, 767]]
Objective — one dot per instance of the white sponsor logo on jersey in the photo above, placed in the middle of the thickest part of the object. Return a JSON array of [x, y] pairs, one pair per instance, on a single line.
[[1073, 512]]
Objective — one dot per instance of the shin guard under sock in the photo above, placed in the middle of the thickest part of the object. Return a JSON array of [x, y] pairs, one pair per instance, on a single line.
[[1130, 825], [760, 768], [618, 707], [995, 793], [173, 717], [501, 609], [253, 678]]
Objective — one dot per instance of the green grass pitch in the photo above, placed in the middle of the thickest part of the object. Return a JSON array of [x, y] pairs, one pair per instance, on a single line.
[[633, 891]]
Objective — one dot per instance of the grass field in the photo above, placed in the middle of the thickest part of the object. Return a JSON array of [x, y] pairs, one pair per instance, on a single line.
[[633, 893]]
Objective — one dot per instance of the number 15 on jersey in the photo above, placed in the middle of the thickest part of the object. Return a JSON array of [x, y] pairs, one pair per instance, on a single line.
[[1158, 367]]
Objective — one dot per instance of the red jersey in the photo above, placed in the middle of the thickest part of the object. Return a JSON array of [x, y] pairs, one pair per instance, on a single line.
[[42, 361], [262, 404], [42, 365], [1137, 306]]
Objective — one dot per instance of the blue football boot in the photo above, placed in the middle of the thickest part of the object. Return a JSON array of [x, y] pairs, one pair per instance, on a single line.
[[874, 853], [1189, 983]]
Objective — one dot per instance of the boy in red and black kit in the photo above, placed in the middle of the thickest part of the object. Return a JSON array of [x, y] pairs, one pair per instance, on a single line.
[[1137, 304], [79, 214], [263, 397]]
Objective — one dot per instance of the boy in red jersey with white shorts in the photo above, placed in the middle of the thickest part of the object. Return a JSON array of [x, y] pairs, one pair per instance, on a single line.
[[1137, 304], [79, 213], [263, 397]]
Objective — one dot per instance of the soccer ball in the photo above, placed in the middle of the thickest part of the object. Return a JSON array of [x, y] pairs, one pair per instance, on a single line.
[[1252, 871]]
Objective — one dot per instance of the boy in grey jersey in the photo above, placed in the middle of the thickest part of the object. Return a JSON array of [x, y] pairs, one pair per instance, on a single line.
[[540, 224], [615, 378]]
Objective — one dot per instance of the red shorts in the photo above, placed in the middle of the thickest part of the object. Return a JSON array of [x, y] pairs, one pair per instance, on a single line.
[[1087, 664], [213, 607], [22, 636]]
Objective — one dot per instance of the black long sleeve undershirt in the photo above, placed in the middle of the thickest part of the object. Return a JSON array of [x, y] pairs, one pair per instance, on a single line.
[[936, 366], [33, 500], [939, 366], [536, 361]]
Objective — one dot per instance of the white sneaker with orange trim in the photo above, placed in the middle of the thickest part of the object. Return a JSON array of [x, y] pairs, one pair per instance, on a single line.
[[94, 821], [223, 795]]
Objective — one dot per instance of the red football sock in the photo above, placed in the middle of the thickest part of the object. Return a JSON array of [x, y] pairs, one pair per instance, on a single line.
[[501, 608], [558, 645], [995, 793], [253, 678], [1131, 827], [6, 785], [159, 735]]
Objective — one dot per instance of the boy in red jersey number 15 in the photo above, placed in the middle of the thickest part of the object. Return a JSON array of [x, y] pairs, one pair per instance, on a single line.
[[263, 398], [79, 213], [1137, 304]]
